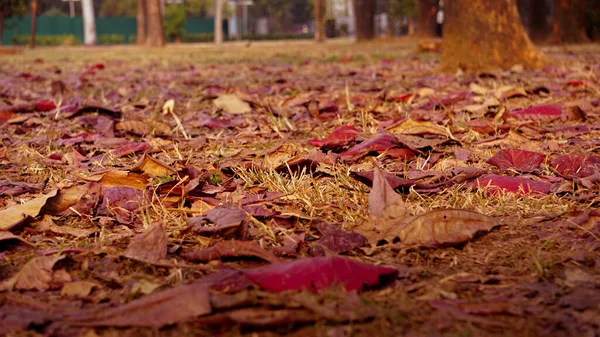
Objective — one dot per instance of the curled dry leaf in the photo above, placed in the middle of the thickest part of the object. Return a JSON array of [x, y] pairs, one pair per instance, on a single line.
[[445, 227], [17, 214], [230, 248], [6, 236], [156, 310], [149, 246], [35, 274], [153, 167], [232, 104]]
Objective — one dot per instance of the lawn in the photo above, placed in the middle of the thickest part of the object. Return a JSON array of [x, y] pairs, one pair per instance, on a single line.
[[290, 188]]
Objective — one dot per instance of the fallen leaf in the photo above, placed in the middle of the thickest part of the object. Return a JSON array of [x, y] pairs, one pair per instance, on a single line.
[[496, 183], [445, 227], [150, 245], [520, 160], [546, 112], [337, 139], [337, 240], [35, 274], [320, 273], [576, 165], [17, 214], [232, 104], [382, 194], [230, 248], [156, 310], [79, 289], [412, 127], [153, 167], [6, 237]]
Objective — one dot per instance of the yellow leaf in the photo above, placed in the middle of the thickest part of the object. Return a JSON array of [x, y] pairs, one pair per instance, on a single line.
[[14, 215]]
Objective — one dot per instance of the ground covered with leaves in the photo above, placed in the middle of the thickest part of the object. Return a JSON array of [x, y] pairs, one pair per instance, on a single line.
[[297, 189]]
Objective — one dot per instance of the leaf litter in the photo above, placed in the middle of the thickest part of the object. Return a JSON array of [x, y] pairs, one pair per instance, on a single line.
[[297, 193]]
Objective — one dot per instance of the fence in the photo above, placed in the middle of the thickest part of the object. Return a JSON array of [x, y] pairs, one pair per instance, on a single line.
[[56, 30]]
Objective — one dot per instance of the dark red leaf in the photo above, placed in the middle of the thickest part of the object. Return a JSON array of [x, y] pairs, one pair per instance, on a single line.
[[380, 143], [320, 273], [538, 112], [575, 83], [518, 185], [337, 240], [520, 160], [131, 149], [336, 140], [576, 165], [45, 105]]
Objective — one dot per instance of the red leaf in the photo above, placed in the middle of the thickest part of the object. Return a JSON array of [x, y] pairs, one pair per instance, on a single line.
[[319, 273], [381, 143], [517, 185], [340, 137], [538, 112], [45, 105], [576, 165], [337, 240], [98, 66], [575, 83], [521, 160], [131, 149]]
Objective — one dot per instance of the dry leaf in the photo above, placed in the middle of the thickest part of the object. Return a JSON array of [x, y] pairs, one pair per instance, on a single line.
[[114, 178], [14, 215], [35, 274], [445, 227], [150, 246], [232, 104], [382, 194], [153, 167], [156, 310]]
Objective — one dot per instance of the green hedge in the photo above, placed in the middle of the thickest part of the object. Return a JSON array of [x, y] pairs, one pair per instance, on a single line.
[[47, 40]]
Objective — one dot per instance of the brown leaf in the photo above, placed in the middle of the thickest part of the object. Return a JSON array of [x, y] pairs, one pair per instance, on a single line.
[[8, 236], [15, 215], [156, 310], [150, 246], [115, 178], [35, 274], [153, 167], [382, 194], [444, 227], [232, 104], [65, 198], [232, 248], [79, 289]]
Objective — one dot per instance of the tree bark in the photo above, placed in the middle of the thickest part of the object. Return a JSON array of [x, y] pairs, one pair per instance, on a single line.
[[89, 22], [240, 19], [427, 23], [483, 35], [569, 22], [34, 9], [411, 26], [156, 35], [538, 25], [142, 14], [218, 21], [319, 21], [364, 16]]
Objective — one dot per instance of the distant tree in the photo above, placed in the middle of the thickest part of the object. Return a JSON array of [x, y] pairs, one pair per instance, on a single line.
[[156, 37], [481, 35], [124, 8], [218, 21], [403, 9], [364, 16], [89, 22], [34, 12], [427, 12], [319, 10], [54, 11], [10, 8], [569, 22], [142, 13], [538, 23], [174, 21]]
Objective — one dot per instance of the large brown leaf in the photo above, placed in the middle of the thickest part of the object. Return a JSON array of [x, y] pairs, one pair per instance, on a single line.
[[149, 246], [444, 227], [35, 274], [156, 310], [382, 194], [15, 215]]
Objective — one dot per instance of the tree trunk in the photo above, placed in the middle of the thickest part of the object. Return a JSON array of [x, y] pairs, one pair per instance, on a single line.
[[142, 14], [89, 22], [319, 21], [569, 22], [364, 16], [240, 17], [218, 21], [483, 35], [427, 23], [538, 25], [411, 26], [34, 9], [156, 35]]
